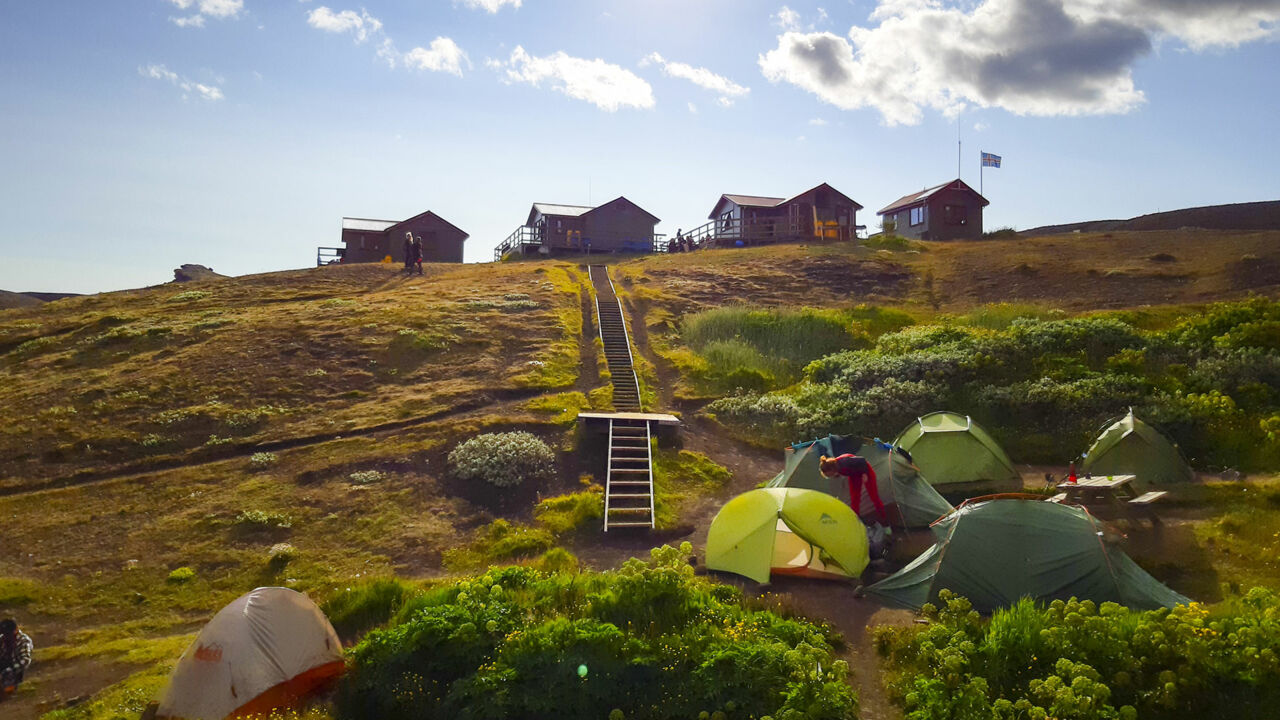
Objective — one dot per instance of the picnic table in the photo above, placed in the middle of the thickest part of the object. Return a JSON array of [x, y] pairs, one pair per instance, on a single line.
[[1116, 491]]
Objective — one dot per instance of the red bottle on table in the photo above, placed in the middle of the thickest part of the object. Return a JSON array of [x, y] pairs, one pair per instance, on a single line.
[[1071, 473]]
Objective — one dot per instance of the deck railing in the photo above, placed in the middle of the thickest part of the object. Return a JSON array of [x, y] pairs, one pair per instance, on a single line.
[[760, 231], [329, 255], [527, 239]]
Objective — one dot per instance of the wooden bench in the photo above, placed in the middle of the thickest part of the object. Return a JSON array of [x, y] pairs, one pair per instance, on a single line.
[[1057, 498], [1147, 498]]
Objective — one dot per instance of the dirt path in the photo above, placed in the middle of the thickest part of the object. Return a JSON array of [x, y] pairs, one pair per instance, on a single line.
[[751, 465]]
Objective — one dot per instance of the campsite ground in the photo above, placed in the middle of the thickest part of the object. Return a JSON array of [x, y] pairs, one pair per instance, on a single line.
[[200, 426]]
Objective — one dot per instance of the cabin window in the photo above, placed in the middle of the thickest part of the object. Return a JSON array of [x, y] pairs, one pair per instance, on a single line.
[[954, 214], [917, 215]]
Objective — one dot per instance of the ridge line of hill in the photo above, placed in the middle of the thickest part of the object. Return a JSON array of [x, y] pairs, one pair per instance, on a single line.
[[1263, 215]]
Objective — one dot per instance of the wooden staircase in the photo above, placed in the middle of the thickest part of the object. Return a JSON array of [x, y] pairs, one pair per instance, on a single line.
[[628, 489], [617, 344]]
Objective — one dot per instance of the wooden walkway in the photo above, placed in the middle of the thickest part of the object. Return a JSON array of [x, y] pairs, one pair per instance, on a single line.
[[628, 488]]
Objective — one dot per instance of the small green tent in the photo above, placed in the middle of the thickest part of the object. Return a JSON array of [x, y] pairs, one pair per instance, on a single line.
[[994, 552], [787, 531], [1131, 447], [909, 499], [952, 449]]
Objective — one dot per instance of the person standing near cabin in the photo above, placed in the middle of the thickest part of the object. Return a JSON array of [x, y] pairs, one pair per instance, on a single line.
[[408, 252], [859, 474], [15, 656], [417, 254]]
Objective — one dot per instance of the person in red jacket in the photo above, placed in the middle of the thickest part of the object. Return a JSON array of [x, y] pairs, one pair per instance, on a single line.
[[859, 473]]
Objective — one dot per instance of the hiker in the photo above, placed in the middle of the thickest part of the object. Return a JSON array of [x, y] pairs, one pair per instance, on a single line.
[[859, 473], [15, 656], [416, 253], [408, 252]]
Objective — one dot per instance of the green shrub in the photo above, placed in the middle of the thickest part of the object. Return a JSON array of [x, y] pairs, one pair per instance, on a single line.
[[262, 519], [366, 477], [14, 592], [190, 296], [368, 604], [1079, 660], [649, 640], [280, 555], [566, 513], [181, 575], [260, 460], [503, 459]]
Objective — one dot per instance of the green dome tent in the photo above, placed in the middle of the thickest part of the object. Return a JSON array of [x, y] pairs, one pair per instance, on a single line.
[[1131, 447], [994, 552], [953, 449], [909, 500], [787, 531]]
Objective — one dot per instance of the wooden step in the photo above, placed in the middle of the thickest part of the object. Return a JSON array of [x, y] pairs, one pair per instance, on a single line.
[[629, 511], [629, 482], [618, 496], [630, 524]]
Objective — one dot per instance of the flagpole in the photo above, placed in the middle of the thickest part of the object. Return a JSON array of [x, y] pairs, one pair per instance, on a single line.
[[981, 166]]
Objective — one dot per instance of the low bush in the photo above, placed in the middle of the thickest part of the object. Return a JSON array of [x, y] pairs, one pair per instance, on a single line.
[[361, 607], [496, 542], [262, 519], [181, 575], [566, 513], [503, 459], [647, 641], [1081, 661], [366, 477], [260, 460]]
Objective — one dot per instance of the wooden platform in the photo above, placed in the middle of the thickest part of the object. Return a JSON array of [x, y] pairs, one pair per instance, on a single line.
[[660, 418]]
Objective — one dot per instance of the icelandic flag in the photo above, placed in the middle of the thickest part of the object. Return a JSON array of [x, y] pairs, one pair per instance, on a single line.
[[989, 160]]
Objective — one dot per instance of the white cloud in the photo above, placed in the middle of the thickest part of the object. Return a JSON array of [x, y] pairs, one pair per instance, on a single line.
[[443, 55], [787, 19], [492, 6], [188, 87], [607, 86], [1030, 57], [817, 121], [1198, 23], [702, 77], [361, 25], [980, 126], [1026, 56], [693, 109], [220, 9]]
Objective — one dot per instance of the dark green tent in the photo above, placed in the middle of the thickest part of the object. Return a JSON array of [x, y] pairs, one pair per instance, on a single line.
[[1131, 447], [910, 501], [994, 552]]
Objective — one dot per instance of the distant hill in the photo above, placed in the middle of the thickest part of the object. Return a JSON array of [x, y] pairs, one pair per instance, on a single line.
[[16, 300], [1238, 216]]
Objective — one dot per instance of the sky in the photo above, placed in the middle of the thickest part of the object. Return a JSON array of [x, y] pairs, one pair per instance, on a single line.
[[137, 136]]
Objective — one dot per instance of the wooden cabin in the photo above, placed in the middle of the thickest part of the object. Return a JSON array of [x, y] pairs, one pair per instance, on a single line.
[[366, 240], [616, 226], [820, 213], [950, 211]]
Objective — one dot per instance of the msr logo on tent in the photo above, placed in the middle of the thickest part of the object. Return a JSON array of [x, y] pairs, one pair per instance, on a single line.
[[209, 653], [827, 519]]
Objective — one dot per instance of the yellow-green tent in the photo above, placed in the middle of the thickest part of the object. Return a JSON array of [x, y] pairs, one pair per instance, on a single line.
[[952, 449], [787, 531], [1130, 446]]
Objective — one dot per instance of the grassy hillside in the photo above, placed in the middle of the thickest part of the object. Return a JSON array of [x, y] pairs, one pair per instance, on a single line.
[[293, 428]]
